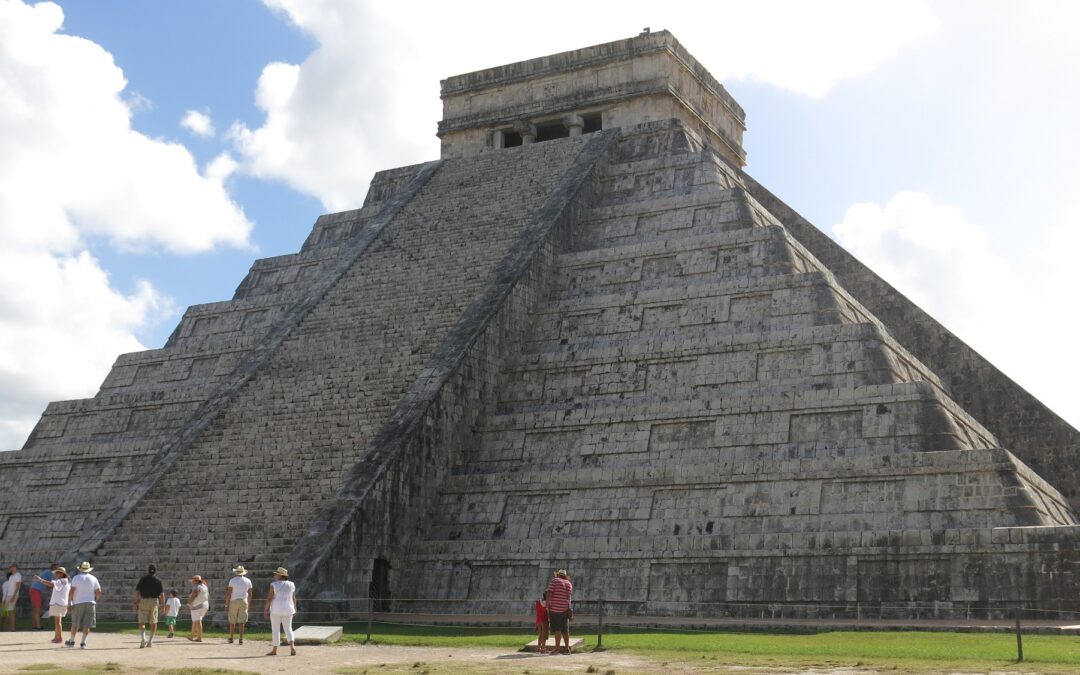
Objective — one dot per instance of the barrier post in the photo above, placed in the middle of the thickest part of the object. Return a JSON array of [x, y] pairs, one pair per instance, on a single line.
[[600, 625], [370, 612], [1019, 637]]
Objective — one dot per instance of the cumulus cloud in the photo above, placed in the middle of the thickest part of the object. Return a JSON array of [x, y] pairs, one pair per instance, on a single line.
[[73, 171], [198, 123], [1012, 309], [367, 96]]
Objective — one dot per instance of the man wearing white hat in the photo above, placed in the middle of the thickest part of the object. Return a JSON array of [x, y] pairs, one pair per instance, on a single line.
[[237, 601], [84, 595]]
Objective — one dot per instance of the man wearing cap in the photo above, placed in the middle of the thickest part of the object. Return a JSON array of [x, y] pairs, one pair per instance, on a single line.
[[237, 601], [560, 608], [149, 597], [83, 596]]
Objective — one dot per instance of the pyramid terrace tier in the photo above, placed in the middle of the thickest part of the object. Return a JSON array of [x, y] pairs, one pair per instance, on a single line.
[[830, 492], [944, 573]]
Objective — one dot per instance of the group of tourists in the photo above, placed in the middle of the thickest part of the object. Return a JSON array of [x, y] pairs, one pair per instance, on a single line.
[[554, 611], [78, 597]]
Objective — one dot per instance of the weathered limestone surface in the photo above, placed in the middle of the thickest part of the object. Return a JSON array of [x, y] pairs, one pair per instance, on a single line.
[[611, 351], [1034, 432], [700, 414]]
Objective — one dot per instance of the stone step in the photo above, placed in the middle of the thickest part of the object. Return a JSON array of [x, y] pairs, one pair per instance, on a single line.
[[700, 259], [750, 545]]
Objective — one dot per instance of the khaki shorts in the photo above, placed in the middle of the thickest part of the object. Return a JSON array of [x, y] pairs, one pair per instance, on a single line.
[[58, 610], [238, 611], [148, 610], [83, 616]]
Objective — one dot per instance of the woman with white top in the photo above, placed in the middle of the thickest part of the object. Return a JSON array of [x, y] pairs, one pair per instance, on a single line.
[[199, 604], [58, 602], [280, 607]]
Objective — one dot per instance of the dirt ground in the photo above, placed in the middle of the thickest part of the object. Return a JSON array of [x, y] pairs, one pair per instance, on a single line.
[[31, 652]]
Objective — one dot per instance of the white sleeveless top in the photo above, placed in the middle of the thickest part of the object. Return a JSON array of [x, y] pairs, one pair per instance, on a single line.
[[283, 597]]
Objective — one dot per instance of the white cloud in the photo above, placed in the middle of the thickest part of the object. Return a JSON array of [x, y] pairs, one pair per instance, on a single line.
[[198, 123], [61, 327], [1015, 310], [367, 97], [73, 170]]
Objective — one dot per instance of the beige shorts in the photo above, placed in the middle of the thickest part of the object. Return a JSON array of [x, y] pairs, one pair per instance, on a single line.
[[148, 610], [198, 614], [238, 611], [58, 610]]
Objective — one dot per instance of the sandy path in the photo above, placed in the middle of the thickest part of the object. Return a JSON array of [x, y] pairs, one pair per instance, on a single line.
[[32, 648]]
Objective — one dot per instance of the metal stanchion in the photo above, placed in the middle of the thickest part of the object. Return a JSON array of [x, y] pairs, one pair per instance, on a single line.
[[1019, 637], [600, 625], [370, 612]]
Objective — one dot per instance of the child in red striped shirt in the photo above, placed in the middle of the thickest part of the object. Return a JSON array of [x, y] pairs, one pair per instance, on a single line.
[[541, 612]]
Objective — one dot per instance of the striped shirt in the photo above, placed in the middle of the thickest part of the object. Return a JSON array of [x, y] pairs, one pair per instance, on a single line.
[[560, 592]]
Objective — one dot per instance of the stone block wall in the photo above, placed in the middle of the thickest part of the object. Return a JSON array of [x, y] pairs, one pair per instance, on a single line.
[[1044, 441]]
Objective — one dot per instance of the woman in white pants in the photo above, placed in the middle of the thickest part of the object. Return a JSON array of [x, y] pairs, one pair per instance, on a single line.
[[199, 604], [280, 607]]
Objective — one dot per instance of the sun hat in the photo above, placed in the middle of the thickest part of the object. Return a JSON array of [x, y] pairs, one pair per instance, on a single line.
[[85, 567], [239, 570], [61, 570], [197, 578], [560, 573], [281, 572]]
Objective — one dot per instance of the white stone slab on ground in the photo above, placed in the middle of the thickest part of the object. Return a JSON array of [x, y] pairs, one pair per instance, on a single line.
[[316, 635], [575, 643]]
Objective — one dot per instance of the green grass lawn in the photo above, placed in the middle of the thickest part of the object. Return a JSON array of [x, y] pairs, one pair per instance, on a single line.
[[906, 650]]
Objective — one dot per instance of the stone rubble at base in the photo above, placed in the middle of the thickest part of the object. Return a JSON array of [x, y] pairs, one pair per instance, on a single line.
[[602, 352]]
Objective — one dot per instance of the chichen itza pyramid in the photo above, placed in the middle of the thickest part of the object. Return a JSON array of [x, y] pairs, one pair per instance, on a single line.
[[582, 338]]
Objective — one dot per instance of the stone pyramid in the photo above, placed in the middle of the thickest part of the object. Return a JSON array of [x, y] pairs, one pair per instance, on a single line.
[[585, 338]]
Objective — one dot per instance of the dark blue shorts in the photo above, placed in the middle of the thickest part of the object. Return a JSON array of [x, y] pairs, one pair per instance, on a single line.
[[560, 622]]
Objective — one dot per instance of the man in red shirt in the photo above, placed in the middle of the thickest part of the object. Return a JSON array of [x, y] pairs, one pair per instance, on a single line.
[[560, 609]]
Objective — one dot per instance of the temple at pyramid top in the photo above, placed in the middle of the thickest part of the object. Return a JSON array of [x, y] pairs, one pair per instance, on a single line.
[[617, 84]]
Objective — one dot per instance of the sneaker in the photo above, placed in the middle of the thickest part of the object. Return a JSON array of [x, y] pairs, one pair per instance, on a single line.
[[230, 640], [149, 644], [241, 640], [142, 645], [82, 645], [70, 643]]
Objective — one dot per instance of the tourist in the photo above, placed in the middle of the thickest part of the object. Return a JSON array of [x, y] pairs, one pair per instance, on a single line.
[[238, 601], [58, 601], [541, 621], [560, 594], [37, 595], [83, 598], [11, 594], [199, 604], [149, 597], [172, 610], [280, 607]]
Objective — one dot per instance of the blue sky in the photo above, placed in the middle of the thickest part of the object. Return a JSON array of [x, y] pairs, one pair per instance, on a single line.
[[937, 141]]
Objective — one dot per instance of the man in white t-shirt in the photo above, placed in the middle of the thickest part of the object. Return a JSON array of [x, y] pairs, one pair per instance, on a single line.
[[11, 594], [85, 593], [237, 601]]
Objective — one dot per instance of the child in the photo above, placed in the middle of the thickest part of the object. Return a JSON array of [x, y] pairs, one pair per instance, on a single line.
[[541, 624], [172, 610], [58, 602]]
